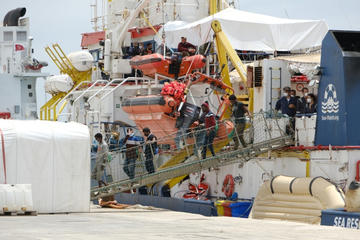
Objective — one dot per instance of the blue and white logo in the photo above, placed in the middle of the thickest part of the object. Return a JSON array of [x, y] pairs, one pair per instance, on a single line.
[[330, 104]]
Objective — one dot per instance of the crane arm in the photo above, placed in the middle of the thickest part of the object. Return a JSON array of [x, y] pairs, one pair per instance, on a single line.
[[224, 49]]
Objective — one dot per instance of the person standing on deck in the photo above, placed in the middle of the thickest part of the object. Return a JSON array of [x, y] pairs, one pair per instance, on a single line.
[[287, 105], [210, 124], [151, 149], [301, 103], [238, 113], [131, 142], [101, 159], [311, 104]]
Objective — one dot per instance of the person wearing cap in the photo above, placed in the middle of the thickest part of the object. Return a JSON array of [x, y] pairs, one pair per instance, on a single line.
[[151, 148], [238, 113], [210, 124], [286, 104], [186, 48]]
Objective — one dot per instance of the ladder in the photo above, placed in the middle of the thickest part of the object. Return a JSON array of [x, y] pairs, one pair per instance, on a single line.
[[275, 86]]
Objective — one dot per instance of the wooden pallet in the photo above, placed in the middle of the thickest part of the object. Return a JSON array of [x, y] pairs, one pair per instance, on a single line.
[[18, 213]]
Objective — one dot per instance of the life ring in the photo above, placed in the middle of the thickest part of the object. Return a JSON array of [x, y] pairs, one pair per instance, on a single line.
[[228, 185], [299, 87]]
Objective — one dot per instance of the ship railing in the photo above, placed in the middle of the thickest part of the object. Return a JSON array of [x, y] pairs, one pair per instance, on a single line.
[[109, 87], [64, 101], [179, 154]]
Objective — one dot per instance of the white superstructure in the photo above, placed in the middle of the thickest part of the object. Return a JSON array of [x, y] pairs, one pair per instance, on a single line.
[[18, 70]]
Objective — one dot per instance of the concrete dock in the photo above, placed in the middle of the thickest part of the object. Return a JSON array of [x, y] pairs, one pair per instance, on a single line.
[[150, 223]]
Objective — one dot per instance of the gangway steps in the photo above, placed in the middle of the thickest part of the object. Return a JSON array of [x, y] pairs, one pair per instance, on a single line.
[[221, 159]]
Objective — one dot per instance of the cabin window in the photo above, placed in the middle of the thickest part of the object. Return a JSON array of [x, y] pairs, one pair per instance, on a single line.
[[258, 76], [8, 36], [21, 36]]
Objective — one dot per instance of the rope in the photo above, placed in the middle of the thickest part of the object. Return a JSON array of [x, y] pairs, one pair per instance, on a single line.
[[3, 152]]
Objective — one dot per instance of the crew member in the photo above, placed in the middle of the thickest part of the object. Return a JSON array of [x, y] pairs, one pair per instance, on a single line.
[[151, 149], [238, 113], [131, 142], [286, 104], [210, 124], [101, 159], [186, 48]]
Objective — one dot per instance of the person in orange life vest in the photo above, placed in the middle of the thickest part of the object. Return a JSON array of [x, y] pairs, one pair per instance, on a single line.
[[186, 48], [210, 124]]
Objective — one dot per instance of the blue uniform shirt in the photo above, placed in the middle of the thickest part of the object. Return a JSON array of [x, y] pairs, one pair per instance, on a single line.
[[283, 105]]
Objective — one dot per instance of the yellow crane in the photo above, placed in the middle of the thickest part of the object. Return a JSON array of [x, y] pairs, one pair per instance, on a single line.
[[225, 51], [49, 110]]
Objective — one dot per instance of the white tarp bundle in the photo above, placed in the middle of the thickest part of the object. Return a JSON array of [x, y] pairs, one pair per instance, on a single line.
[[250, 31], [53, 157]]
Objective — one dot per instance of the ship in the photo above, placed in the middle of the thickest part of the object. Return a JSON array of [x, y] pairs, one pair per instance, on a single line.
[[112, 90], [19, 69]]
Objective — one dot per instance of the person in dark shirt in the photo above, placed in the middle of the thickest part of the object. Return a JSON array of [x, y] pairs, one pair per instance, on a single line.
[[300, 107], [186, 48], [135, 50], [148, 49], [238, 112], [151, 149], [210, 124], [131, 142], [199, 132], [286, 104], [311, 105]]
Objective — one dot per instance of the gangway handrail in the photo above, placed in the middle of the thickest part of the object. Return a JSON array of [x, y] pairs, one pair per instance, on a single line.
[[104, 87], [223, 158], [260, 143]]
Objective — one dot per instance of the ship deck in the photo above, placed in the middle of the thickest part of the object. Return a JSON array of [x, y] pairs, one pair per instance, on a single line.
[[151, 223]]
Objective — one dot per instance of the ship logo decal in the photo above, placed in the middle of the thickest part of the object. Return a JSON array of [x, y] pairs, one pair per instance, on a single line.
[[330, 104]]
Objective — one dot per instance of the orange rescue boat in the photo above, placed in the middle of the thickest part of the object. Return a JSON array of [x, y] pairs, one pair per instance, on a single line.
[[172, 67]]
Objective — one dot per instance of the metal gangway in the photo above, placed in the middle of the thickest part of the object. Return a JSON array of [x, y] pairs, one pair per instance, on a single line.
[[264, 132]]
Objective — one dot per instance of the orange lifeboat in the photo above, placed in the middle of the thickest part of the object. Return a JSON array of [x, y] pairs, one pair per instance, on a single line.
[[172, 67], [155, 112]]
